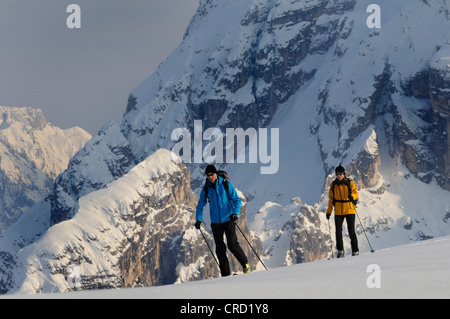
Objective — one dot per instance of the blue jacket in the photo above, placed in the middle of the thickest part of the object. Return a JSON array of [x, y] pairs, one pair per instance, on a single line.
[[221, 205]]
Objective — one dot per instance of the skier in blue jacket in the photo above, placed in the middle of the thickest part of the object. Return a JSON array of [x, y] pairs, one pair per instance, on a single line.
[[224, 207]]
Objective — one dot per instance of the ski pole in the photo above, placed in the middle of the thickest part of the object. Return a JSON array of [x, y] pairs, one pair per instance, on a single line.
[[331, 238], [250, 245], [209, 247], [362, 226]]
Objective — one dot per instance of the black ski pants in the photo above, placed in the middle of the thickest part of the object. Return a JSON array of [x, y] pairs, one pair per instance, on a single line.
[[229, 228], [339, 221]]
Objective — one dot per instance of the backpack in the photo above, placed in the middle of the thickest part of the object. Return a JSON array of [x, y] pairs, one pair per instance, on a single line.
[[347, 182], [225, 177]]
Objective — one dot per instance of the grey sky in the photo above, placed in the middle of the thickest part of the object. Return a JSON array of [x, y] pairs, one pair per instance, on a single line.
[[82, 77]]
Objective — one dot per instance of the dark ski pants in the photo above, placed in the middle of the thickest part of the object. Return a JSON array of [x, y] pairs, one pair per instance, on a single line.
[[229, 228], [339, 220]]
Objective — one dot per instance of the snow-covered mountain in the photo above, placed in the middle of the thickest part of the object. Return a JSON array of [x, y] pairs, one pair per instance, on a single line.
[[375, 100], [336, 91], [137, 231], [32, 154]]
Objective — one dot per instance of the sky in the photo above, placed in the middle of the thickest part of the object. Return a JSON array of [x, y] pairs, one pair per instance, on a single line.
[[83, 77]]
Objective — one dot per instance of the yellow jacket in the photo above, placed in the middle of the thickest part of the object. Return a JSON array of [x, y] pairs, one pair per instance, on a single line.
[[341, 194]]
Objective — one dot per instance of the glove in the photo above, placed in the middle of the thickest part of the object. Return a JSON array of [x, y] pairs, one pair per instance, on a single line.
[[233, 217], [328, 216], [197, 224]]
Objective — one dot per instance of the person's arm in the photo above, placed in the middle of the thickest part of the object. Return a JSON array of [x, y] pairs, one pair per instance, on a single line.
[[354, 190], [201, 204], [330, 201], [235, 199]]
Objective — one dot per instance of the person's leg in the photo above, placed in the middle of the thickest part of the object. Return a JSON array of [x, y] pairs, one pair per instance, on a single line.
[[339, 220], [233, 244], [352, 233], [221, 249]]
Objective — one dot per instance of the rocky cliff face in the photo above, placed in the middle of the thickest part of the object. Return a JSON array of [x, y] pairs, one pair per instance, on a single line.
[[439, 90], [273, 51]]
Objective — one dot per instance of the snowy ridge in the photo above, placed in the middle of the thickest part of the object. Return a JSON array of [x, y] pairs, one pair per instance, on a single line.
[[103, 159], [136, 231], [99, 233]]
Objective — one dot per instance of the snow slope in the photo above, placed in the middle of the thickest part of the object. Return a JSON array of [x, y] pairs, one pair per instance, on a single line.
[[417, 270]]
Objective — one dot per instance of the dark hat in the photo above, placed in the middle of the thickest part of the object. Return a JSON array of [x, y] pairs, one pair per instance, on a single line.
[[340, 169], [210, 169]]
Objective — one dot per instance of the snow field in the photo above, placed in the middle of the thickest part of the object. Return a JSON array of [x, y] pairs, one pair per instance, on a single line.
[[412, 271]]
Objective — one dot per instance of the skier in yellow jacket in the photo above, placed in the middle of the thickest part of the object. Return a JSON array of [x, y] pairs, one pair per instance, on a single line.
[[342, 196]]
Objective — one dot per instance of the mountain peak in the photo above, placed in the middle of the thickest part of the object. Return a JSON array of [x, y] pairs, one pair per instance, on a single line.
[[32, 154], [34, 118]]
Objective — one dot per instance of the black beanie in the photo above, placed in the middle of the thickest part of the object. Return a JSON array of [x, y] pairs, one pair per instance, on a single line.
[[340, 169], [210, 169]]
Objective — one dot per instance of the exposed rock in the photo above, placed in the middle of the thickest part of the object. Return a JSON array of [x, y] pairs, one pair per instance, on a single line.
[[440, 99], [308, 242]]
